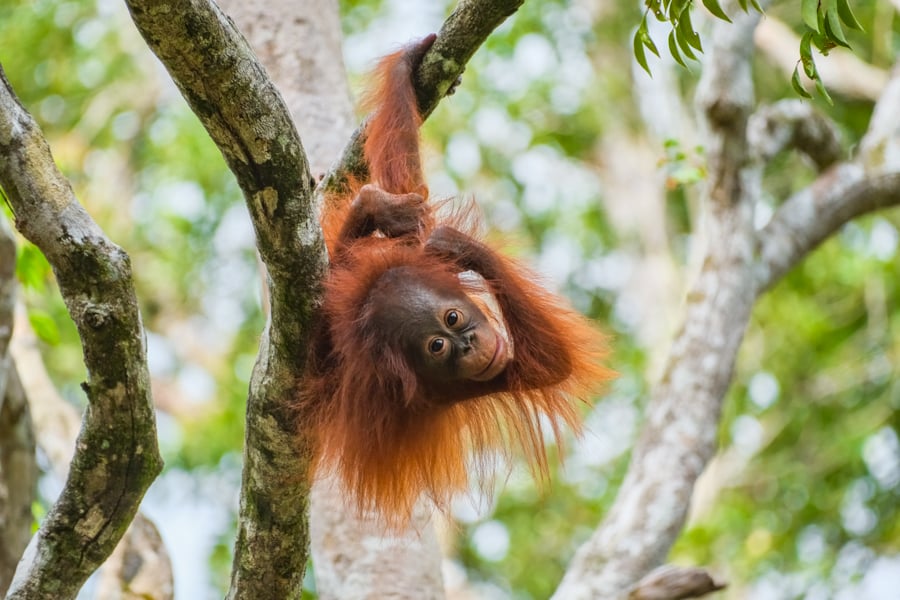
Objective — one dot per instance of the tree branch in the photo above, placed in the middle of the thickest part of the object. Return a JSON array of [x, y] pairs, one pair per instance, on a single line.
[[464, 31], [844, 192], [679, 436], [794, 124], [18, 466], [117, 456], [812, 215], [55, 424], [229, 91], [675, 583], [18, 477]]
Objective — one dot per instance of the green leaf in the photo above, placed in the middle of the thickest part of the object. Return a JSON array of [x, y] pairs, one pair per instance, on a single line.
[[648, 41], [659, 9], [798, 85], [716, 10], [676, 7], [742, 4], [685, 46], [639, 55], [847, 16], [687, 30], [820, 87], [673, 50], [806, 57], [833, 28], [757, 6], [656, 8], [822, 43], [809, 10]]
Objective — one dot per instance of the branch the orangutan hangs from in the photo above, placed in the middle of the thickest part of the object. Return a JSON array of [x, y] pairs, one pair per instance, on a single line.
[[433, 347]]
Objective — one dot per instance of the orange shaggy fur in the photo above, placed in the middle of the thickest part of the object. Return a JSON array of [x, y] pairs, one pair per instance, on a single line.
[[373, 423]]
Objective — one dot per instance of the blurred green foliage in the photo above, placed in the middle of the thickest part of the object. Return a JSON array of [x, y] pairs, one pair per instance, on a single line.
[[810, 423]]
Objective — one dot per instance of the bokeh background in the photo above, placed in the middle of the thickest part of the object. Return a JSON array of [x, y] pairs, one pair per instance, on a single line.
[[586, 167]]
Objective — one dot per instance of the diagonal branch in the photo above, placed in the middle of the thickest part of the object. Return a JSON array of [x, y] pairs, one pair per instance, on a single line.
[[679, 436], [794, 124], [230, 92], [55, 424], [117, 456], [844, 192], [812, 215]]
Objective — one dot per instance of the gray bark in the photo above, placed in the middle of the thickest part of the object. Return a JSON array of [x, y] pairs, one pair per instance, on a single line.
[[18, 477], [247, 118], [737, 265], [300, 46], [244, 113], [55, 425], [18, 466], [117, 455], [139, 568]]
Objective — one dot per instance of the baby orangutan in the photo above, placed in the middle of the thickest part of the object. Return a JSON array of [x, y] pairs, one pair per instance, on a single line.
[[433, 346]]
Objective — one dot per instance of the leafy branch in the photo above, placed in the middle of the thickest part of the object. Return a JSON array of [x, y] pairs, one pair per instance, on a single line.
[[683, 40], [823, 20]]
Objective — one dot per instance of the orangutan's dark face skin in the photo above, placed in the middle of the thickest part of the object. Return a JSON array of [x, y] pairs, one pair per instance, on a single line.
[[444, 331]]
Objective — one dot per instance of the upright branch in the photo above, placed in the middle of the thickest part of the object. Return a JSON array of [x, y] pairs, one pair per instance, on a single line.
[[737, 266], [18, 461], [682, 415], [228, 90], [7, 298], [18, 476], [117, 456], [353, 558], [231, 94]]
